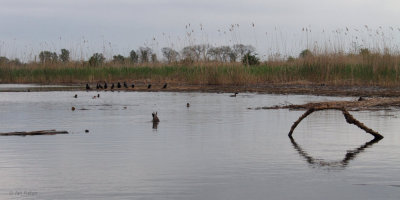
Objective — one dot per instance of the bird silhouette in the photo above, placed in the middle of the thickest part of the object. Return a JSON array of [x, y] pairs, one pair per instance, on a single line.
[[133, 85], [105, 85], [234, 95], [149, 86], [87, 86], [125, 85], [119, 85], [165, 86], [112, 86]]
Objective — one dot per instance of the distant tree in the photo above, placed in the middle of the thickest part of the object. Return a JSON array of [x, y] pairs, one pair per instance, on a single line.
[[221, 54], [290, 59], [305, 53], [145, 54], [134, 58], [154, 58], [15, 62], [97, 59], [250, 59], [196, 52], [119, 59], [239, 50], [64, 56], [170, 54], [48, 57], [4, 60], [364, 52]]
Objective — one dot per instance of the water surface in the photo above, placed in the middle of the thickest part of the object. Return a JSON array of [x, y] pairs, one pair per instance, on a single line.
[[215, 149]]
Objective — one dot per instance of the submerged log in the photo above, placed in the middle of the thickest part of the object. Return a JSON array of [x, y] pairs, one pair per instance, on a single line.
[[41, 132]]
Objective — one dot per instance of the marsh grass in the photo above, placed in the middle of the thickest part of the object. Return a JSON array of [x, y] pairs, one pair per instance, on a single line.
[[332, 69]]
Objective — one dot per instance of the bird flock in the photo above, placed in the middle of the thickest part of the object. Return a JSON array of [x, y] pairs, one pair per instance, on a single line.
[[124, 85]]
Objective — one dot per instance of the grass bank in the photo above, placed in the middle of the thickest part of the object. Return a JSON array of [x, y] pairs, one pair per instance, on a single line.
[[350, 70]]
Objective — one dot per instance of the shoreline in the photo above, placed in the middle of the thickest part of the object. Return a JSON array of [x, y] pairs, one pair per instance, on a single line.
[[284, 89]]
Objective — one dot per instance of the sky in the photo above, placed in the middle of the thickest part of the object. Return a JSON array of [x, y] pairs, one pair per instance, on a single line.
[[119, 26]]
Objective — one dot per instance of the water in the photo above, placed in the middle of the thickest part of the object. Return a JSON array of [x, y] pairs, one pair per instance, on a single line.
[[216, 149]]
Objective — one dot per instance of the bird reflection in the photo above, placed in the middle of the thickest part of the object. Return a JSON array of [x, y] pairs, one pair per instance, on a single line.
[[340, 164], [155, 125]]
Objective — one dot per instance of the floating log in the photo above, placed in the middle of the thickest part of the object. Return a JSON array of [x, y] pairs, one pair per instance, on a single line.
[[42, 132]]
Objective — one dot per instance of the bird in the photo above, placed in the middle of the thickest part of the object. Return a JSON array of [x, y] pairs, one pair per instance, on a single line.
[[165, 86], [112, 86], [119, 85], [87, 86], [75, 96], [100, 87], [105, 85], [73, 108], [133, 85], [234, 95], [125, 85], [155, 118], [361, 99], [188, 105], [98, 95], [97, 86], [149, 86]]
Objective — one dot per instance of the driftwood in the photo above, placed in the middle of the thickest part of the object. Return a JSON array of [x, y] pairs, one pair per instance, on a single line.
[[349, 119], [344, 106], [42, 132]]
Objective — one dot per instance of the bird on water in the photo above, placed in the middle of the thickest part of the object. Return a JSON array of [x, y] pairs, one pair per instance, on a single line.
[[234, 95], [165, 86]]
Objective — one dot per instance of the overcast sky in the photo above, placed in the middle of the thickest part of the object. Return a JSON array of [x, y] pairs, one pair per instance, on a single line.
[[118, 26]]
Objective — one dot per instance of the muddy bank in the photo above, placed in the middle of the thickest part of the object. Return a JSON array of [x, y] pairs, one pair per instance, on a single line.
[[305, 89]]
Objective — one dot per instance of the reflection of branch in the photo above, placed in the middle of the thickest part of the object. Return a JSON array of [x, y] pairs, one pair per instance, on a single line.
[[350, 155], [349, 119]]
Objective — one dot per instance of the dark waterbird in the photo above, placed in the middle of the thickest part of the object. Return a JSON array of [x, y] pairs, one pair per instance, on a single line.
[[119, 85], [234, 95], [100, 86], [133, 85], [155, 118], [75, 96], [87, 86], [112, 86], [165, 86], [149, 86], [125, 85], [188, 105], [105, 85], [97, 86]]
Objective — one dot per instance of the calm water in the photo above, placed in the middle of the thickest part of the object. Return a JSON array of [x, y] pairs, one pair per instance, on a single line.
[[216, 149]]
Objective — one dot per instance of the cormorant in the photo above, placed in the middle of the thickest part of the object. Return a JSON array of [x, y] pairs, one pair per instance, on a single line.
[[165, 86], [87, 86], [125, 85], [119, 85], [149, 86]]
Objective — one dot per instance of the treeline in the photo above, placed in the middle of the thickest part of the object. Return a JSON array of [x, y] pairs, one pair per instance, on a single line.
[[188, 55]]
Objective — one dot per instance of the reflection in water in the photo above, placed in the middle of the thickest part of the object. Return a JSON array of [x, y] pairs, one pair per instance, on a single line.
[[350, 155], [155, 125]]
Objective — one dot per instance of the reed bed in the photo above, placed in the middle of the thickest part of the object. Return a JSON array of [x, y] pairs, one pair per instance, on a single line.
[[335, 69]]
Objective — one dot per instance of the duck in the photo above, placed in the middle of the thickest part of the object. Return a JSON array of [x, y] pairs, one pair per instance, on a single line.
[[75, 96], [234, 95], [119, 85], [155, 118], [165, 86], [188, 105]]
